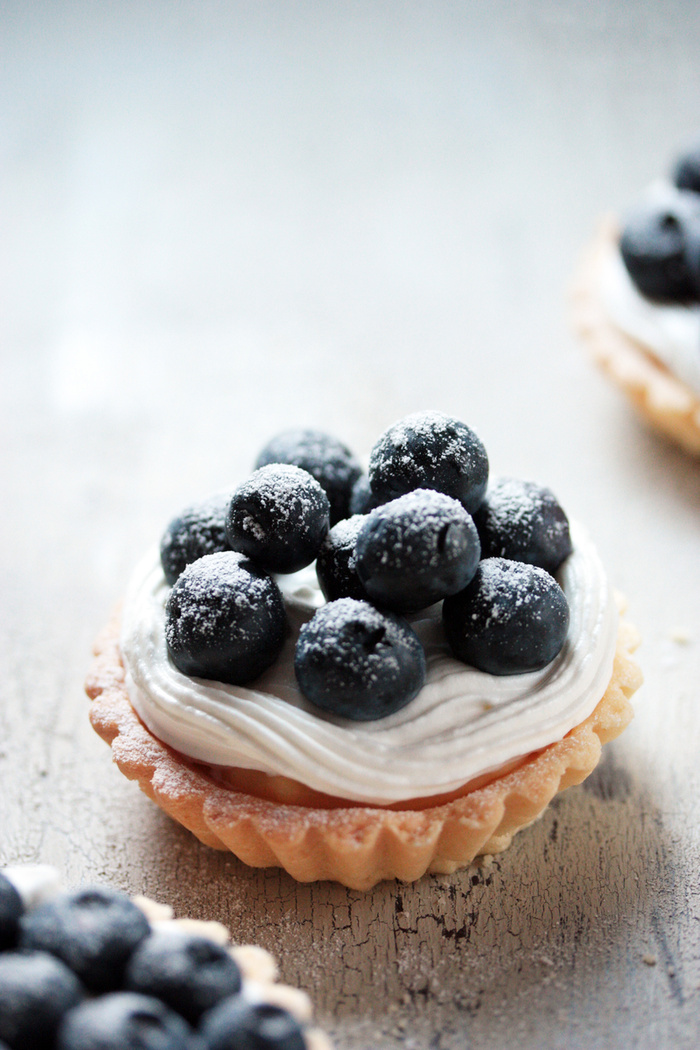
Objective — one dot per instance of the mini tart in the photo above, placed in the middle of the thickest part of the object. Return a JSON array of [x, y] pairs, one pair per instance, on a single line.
[[665, 402], [351, 843], [259, 972]]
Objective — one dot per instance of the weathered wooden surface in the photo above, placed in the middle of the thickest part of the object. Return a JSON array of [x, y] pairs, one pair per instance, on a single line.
[[223, 219]]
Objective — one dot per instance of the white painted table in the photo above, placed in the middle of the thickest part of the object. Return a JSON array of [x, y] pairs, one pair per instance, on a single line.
[[219, 220]]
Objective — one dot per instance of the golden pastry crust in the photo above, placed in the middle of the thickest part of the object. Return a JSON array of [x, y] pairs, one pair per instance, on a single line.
[[663, 401], [357, 845]]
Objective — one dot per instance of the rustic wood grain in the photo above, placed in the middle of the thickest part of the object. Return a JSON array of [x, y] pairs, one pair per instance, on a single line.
[[219, 220]]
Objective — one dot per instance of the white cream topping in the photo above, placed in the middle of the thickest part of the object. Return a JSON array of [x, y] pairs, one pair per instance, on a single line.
[[462, 724], [670, 331]]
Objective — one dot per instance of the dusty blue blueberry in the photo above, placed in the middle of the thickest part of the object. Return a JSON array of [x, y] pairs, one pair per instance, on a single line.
[[686, 169], [239, 1025], [124, 1021], [357, 661], [198, 530], [325, 457], [186, 971], [279, 518], [93, 930], [659, 247], [11, 909], [363, 500], [429, 450], [224, 619], [335, 563], [36, 990], [416, 550], [523, 521], [512, 618]]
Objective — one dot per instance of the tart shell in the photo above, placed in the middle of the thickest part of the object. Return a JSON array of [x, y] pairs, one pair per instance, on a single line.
[[668, 405], [357, 845]]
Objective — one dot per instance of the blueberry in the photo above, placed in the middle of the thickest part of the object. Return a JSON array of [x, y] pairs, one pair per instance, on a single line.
[[198, 530], [36, 989], [11, 909], [186, 971], [124, 1021], [522, 521], [324, 457], [363, 500], [653, 245], [239, 1025], [686, 170], [358, 662], [429, 450], [279, 518], [224, 619], [511, 618], [335, 563], [93, 930], [416, 550]]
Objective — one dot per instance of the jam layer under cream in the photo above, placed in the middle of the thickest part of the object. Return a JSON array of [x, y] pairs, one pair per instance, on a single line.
[[463, 724], [670, 331]]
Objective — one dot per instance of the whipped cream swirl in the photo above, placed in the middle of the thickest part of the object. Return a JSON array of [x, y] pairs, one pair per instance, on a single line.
[[463, 723], [670, 331]]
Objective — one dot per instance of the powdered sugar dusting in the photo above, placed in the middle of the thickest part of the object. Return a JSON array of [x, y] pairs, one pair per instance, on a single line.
[[204, 593], [279, 516], [401, 527], [522, 520], [200, 529], [336, 563], [286, 492], [429, 450], [509, 585], [328, 460], [351, 653]]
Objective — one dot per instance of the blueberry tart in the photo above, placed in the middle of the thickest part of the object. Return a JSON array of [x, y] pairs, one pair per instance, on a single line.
[[448, 662], [636, 302], [92, 969]]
